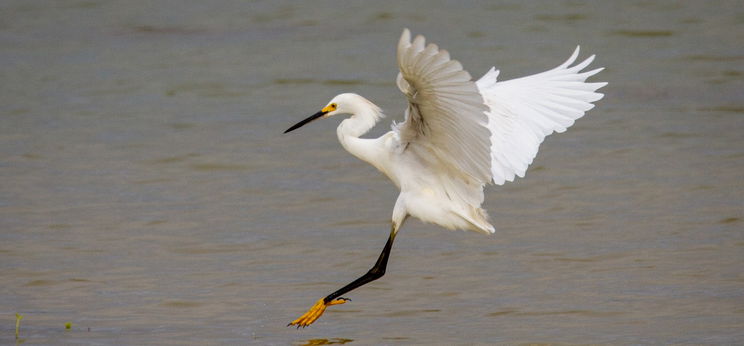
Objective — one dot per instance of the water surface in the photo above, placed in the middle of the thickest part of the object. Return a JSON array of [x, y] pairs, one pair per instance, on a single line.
[[148, 196]]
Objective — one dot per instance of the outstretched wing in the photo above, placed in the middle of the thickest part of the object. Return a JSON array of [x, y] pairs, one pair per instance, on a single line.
[[525, 110], [446, 115]]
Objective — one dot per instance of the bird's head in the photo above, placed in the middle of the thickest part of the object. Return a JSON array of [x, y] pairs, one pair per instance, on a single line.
[[346, 103]]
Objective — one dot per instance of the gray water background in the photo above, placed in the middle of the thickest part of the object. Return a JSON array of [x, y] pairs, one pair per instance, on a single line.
[[148, 196]]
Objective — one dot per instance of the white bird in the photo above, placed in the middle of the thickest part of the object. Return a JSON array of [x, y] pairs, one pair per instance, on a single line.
[[458, 136]]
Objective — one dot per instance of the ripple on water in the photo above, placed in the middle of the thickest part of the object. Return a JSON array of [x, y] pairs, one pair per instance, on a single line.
[[40, 282], [729, 220], [501, 313], [642, 33], [173, 159], [567, 18], [180, 304]]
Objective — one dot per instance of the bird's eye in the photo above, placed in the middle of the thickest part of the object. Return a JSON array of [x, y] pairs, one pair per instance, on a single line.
[[334, 106]]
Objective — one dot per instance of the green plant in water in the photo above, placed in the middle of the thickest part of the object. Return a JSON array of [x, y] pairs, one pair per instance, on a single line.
[[19, 317], [68, 325]]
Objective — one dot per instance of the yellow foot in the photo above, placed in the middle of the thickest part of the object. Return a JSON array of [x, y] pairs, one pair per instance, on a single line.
[[314, 313]]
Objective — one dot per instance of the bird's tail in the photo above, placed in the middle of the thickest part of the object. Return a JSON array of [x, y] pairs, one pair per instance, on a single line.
[[478, 220]]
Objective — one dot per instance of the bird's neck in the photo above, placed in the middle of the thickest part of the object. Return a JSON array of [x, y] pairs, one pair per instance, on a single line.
[[362, 120]]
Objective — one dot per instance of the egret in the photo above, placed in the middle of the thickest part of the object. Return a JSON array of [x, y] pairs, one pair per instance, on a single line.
[[458, 135]]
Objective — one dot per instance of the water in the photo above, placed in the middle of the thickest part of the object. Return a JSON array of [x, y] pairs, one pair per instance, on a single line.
[[148, 196]]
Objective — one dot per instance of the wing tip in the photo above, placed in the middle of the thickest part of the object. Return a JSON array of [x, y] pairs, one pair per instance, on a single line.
[[405, 38], [419, 42], [572, 58], [599, 97], [593, 72], [403, 43], [489, 78], [405, 35]]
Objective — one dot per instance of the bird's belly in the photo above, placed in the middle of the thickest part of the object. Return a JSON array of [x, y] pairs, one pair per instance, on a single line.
[[432, 206], [425, 196]]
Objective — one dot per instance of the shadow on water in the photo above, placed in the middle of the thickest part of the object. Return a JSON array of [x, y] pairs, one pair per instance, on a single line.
[[332, 341]]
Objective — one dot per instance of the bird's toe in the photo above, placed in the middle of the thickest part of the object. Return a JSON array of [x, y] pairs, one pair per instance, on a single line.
[[315, 312]]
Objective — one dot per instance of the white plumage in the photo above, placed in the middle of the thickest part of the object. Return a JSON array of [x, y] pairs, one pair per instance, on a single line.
[[459, 134], [524, 111]]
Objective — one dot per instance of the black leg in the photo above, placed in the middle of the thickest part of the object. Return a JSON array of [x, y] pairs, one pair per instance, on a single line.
[[377, 271]]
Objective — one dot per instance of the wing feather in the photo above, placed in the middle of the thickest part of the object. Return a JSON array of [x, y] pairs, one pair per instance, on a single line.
[[446, 115], [472, 133], [525, 110]]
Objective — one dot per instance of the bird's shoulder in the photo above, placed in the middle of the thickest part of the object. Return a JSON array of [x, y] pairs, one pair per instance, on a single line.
[[393, 142]]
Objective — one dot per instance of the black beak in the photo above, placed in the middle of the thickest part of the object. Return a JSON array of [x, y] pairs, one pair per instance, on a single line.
[[309, 119]]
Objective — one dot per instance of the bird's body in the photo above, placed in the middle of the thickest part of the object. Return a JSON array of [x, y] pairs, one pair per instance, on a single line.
[[458, 136], [428, 192]]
